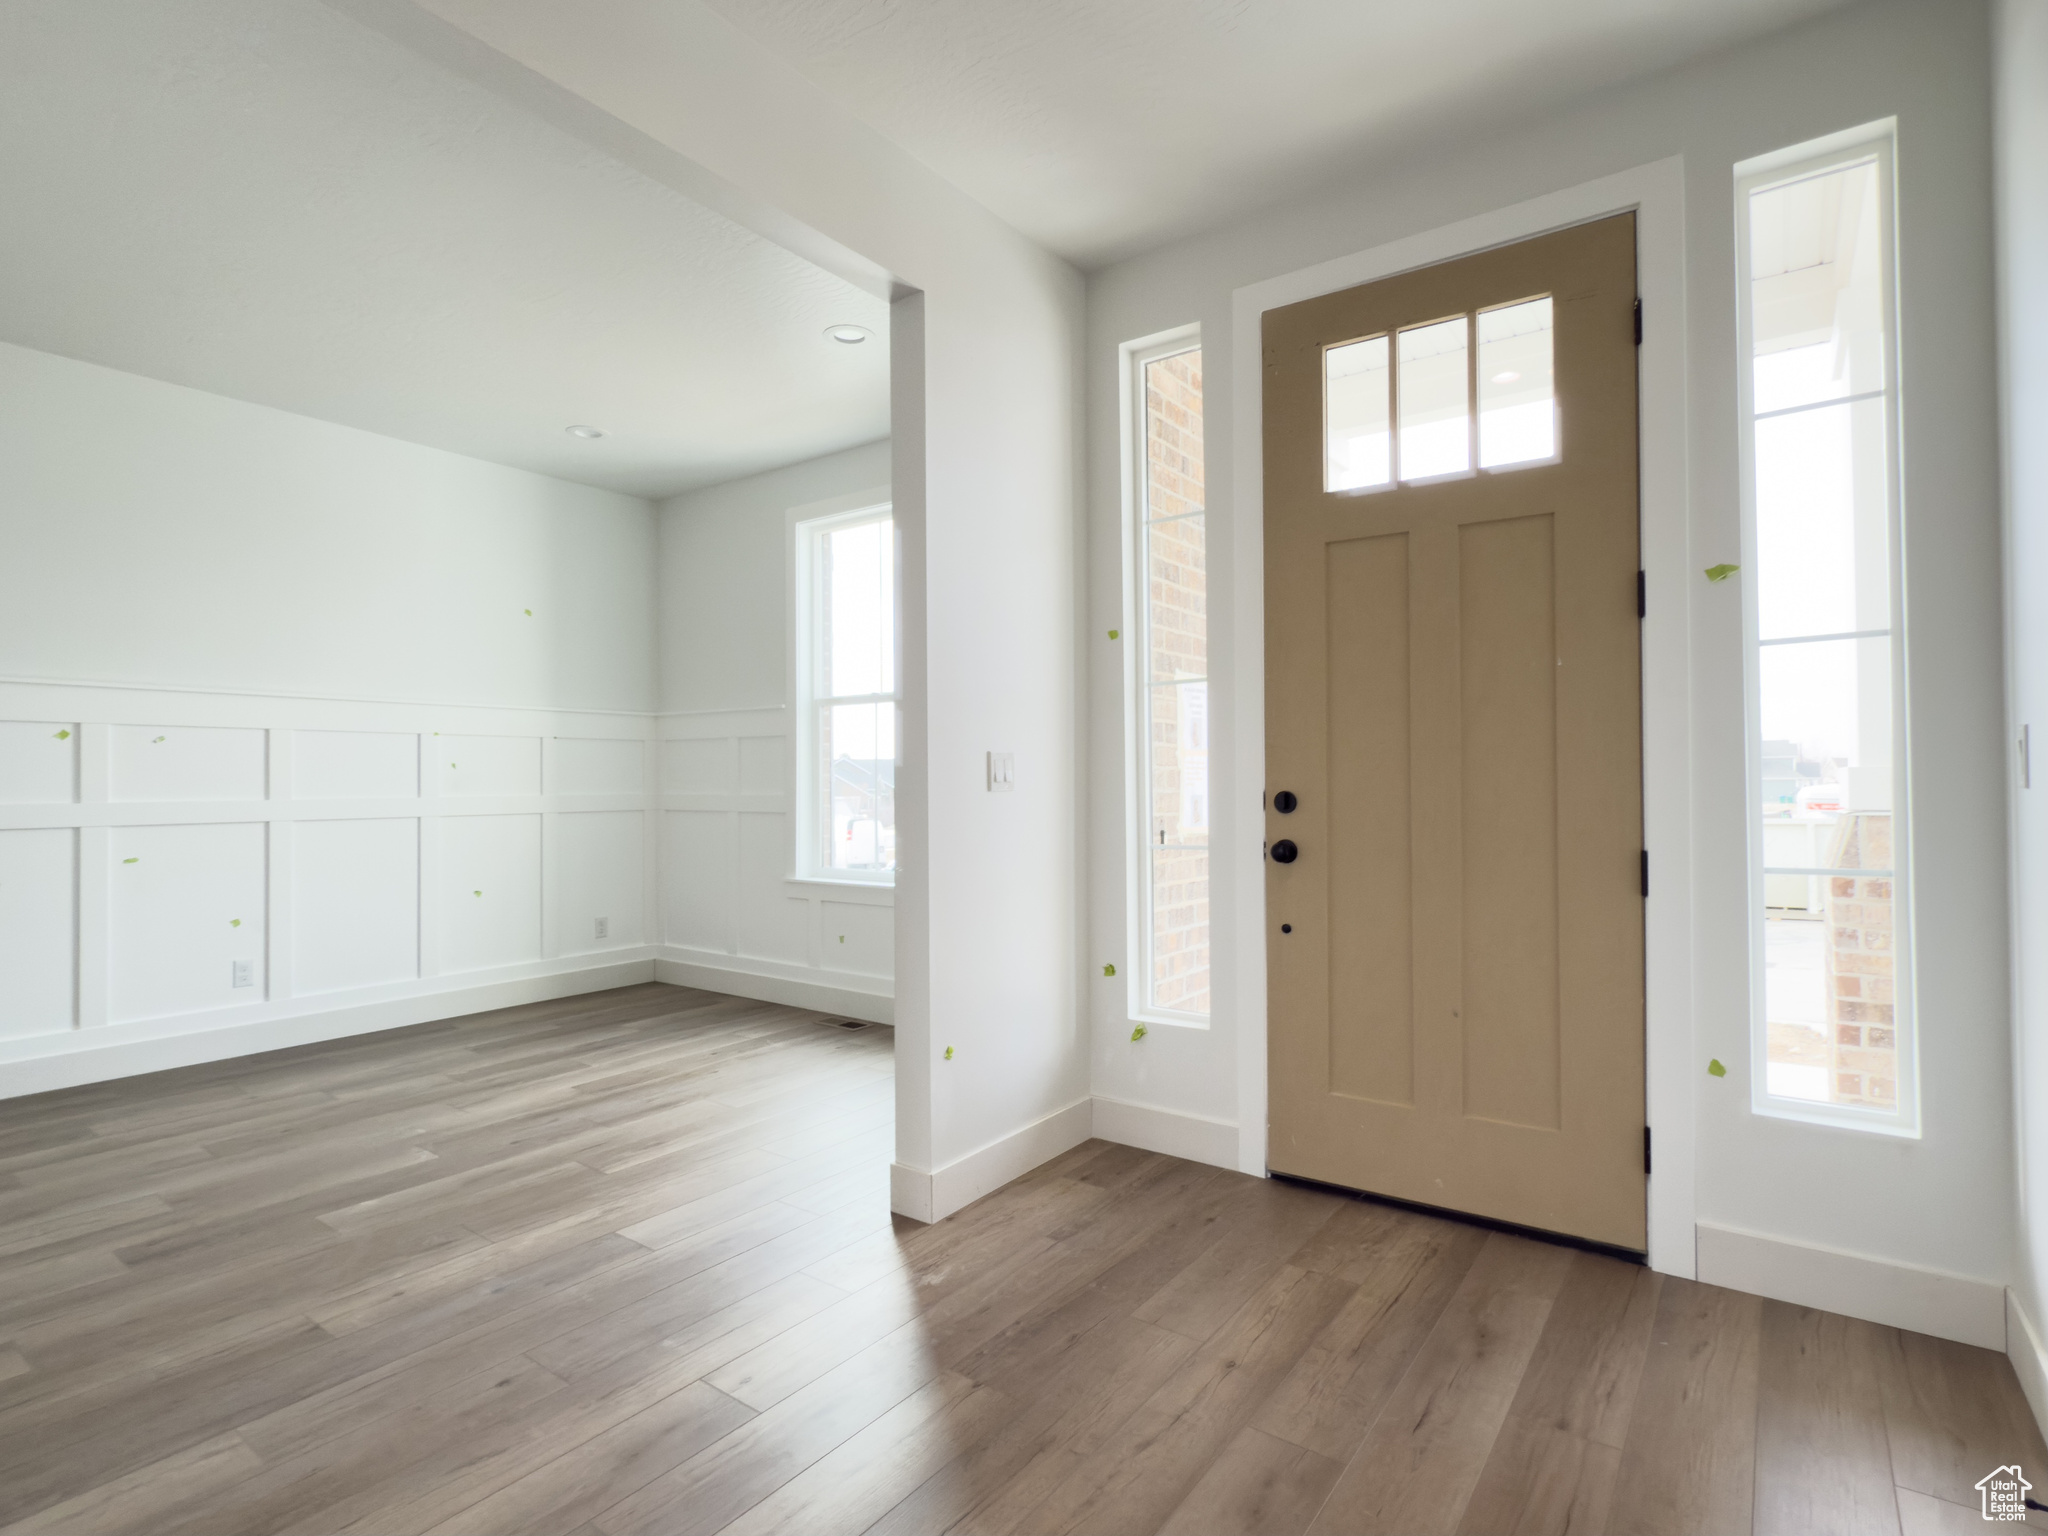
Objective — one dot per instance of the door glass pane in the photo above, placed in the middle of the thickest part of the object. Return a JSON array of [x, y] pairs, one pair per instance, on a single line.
[[1817, 288], [1357, 415], [1435, 400], [1517, 402], [857, 573], [858, 759]]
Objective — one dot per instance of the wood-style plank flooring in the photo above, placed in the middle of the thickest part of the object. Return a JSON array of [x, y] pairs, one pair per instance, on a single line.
[[624, 1264]]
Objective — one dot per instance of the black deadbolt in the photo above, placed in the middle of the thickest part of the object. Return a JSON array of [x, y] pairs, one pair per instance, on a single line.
[[1284, 852], [1284, 802], [1287, 927]]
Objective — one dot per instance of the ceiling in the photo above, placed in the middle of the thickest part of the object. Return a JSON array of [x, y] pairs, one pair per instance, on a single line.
[[266, 200], [1100, 129]]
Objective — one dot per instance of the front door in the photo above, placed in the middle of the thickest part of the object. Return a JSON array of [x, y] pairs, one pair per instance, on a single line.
[[1454, 737]]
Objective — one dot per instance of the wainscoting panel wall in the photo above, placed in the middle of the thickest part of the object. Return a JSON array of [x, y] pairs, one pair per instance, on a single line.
[[734, 917], [185, 876]]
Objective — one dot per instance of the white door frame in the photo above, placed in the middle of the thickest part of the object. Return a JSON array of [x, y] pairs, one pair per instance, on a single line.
[[1656, 194]]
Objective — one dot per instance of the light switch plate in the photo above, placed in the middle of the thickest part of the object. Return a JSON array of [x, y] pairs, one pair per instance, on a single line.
[[604, 927], [1002, 772], [243, 973]]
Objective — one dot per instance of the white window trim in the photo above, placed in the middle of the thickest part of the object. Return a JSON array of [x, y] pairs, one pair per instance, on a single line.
[[1876, 140], [1134, 355], [799, 523]]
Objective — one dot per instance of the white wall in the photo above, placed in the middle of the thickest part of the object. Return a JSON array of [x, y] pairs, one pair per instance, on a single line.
[[987, 942], [270, 694], [2021, 52], [733, 916], [1942, 1202], [723, 579]]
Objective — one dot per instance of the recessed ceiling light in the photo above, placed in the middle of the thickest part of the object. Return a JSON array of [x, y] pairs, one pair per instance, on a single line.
[[1509, 377], [588, 434], [848, 335]]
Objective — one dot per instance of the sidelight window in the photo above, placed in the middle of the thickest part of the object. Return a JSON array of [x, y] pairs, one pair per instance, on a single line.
[[1171, 642], [1832, 994]]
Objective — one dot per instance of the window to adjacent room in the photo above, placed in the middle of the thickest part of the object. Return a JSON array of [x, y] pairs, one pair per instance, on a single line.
[[1830, 893], [1169, 639], [847, 696]]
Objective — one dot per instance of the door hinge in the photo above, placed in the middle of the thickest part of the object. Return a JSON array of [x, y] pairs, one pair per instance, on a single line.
[[1646, 872], [1642, 595], [1646, 1151], [1639, 322]]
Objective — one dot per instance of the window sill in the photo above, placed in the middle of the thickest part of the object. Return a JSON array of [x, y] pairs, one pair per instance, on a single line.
[[1168, 1021], [1834, 1118], [885, 887]]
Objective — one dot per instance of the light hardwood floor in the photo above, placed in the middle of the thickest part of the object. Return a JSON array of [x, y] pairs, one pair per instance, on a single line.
[[624, 1264]]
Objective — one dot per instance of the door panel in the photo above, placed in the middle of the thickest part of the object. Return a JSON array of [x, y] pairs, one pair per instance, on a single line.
[[1453, 674], [1372, 1001]]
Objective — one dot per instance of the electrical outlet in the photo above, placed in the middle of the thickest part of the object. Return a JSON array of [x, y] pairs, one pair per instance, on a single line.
[[244, 973], [1002, 772], [604, 927]]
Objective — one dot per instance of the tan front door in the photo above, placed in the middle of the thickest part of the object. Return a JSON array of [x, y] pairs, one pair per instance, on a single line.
[[1453, 706]]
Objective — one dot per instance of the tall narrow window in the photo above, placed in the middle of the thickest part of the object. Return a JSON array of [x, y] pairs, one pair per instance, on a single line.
[[1172, 728], [847, 695], [1832, 983]]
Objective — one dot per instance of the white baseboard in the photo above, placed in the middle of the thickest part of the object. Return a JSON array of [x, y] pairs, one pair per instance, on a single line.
[[910, 1193], [936, 1195], [1878, 1290], [2029, 1359], [1174, 1132], [766, 982], [102, 1062]]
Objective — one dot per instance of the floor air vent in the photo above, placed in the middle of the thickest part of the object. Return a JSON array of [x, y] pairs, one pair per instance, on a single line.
[[846, 1023]]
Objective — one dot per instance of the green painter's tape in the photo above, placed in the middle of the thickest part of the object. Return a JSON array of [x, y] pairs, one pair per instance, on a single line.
[[1109, 970], [1721, 572], [949, 1053], [1138, 1034], [131, 861], [1715, 1069], [62, 736]]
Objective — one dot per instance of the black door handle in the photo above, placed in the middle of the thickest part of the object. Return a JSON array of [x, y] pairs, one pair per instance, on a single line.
[[1284, 852], [1284, 802]]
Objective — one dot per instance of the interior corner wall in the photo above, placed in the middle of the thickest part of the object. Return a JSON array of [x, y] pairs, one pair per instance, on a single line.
[[303, 731], [1939, 1204], [733, 917], [2020, 49]]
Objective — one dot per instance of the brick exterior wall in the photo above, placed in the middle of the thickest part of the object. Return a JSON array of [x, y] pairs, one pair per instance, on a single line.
[[1863, 1055], [1177, 627]]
